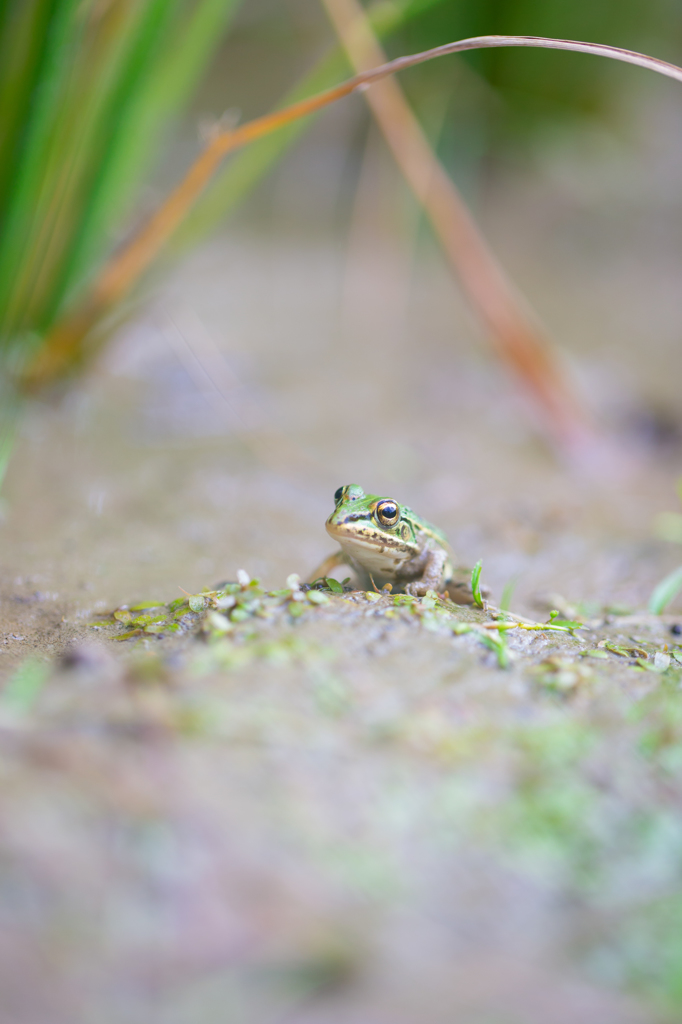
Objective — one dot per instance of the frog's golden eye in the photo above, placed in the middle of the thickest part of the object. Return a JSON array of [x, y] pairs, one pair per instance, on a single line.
[[338, 494], [387, 513]]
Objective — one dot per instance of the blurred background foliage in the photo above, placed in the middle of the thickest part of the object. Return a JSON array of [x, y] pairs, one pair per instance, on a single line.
[[89, 88], [529, 91]]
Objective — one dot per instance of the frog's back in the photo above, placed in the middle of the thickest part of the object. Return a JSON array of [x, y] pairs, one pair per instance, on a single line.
[[428, 528]]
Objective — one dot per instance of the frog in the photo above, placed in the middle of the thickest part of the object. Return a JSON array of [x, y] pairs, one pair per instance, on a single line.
[[389, 545]]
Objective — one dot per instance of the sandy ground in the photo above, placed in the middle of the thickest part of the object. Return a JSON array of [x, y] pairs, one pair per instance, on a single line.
[[353, 819]]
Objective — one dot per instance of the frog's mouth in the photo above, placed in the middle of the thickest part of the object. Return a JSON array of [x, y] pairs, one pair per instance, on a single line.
[[357, 532]]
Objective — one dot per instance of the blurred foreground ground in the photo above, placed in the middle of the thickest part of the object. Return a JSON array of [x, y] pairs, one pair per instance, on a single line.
[[361, 823]]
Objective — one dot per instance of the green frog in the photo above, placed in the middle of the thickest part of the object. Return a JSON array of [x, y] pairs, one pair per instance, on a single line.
[[387, 543]]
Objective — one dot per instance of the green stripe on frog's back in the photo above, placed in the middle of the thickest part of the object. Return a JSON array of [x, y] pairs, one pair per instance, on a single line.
[[419, 524]]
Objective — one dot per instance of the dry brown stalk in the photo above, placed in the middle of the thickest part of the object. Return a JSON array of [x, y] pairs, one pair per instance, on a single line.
[[513, 329], [64, 345]]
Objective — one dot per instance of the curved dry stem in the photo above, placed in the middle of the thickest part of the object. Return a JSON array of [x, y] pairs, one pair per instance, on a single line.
[[64, 343], [512, 328]]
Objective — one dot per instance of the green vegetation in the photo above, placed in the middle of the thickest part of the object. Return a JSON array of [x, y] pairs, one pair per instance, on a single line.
[[666, 591], [476, 584], [86, 91]]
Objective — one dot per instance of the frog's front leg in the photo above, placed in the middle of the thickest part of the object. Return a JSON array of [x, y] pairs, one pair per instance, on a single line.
[[331, 562], [431, 576]]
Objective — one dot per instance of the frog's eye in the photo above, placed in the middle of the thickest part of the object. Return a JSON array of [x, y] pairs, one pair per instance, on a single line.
[[388, 513], [338, 494]]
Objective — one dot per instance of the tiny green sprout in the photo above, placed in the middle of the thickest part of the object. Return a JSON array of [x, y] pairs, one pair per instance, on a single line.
[[476, 584], [197, 602], [665, 592], [555, 620], [317, 597], [334, 585]]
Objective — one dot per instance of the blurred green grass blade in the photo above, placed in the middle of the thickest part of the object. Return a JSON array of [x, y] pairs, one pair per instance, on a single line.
[[476, 584], [104, 72], [23, 31], [97, 171], [107, 79], [249, 166], [163, 71], [665, 592], [54, 32]]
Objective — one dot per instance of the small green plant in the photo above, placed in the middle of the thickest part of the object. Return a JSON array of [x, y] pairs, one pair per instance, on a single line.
[[476, 584], [665, 592]]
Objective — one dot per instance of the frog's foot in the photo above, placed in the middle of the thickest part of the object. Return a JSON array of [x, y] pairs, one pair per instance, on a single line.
[[459, 589], [330, 563], [431, 577], [417, 589]]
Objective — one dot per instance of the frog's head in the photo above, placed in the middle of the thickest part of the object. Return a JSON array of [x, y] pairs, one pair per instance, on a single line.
[[367, 523]]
